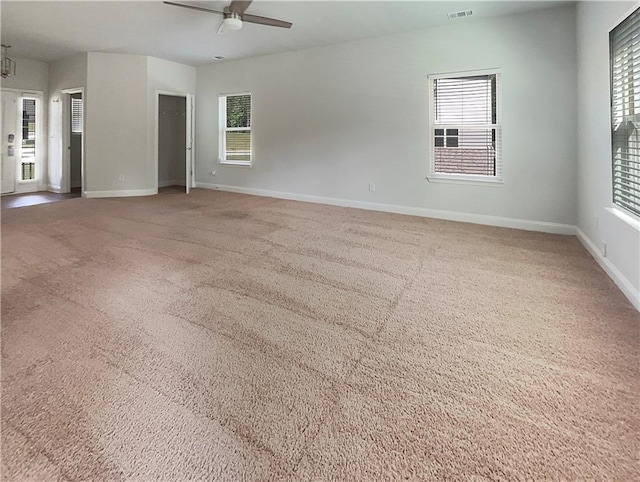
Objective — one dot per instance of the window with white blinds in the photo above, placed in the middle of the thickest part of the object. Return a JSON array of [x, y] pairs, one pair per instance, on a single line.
[[624, 44], [235, 129], [465, 128], [76, 115]]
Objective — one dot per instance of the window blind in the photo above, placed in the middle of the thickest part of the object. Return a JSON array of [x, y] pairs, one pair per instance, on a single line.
[[76, 116], [466, 133], [624, 43]]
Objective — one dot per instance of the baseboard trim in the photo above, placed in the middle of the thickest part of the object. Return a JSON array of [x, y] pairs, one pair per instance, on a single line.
[[527, 225], [614, 273], [121, 193]]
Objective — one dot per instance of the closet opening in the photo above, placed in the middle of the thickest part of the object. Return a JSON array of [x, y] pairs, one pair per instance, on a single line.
[[173, 144]]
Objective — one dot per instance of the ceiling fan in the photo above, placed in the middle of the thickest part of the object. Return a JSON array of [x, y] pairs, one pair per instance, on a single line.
[[234, 15]]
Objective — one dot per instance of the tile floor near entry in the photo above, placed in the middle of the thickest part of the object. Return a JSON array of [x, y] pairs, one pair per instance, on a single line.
[[32, 198]]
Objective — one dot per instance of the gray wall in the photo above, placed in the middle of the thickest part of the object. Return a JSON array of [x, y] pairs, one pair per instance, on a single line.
[[328, 121], [171, 140], [30, 75], [115, 123], [596, 220]]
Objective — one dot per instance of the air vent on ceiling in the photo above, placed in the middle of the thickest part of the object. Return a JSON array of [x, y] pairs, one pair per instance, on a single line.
[[460, 14], [218, 57]]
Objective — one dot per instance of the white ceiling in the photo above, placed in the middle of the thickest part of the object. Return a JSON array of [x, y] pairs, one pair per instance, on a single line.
[[52, 30]]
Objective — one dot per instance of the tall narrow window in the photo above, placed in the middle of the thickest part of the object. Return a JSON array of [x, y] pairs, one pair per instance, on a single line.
[[624, 45], [465, 128], [28, 147], [235, 129]]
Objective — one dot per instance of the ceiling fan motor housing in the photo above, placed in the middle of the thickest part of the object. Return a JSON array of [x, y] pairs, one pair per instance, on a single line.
[[232, 21]]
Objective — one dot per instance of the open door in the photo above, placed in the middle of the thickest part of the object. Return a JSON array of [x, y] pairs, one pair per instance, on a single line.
[[189, 156]]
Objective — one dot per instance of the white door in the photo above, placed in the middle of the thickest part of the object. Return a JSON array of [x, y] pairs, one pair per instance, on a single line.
[[190, 167], [10, 140]]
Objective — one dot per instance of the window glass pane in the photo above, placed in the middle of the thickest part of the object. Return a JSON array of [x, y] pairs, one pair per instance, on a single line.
[[439, 141], [465, 100], [475, 153], [238, 145], [28, 171], [239, 110], [28, 128], [439, 132]]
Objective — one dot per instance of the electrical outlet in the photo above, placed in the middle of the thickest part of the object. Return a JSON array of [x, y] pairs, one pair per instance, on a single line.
[[604, 249], [213, 173], [121, 177], [372, 186]]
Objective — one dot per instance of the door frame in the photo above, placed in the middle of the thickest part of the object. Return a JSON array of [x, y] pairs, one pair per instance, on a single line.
[[65, 181], [39, 183], [190, 141]]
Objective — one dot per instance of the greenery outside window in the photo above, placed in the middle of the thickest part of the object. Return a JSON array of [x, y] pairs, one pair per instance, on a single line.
[[235, 129]]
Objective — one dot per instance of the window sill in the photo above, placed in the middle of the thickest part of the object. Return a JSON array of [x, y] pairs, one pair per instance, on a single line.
[[466, 179], [235, 163], [629, 219]]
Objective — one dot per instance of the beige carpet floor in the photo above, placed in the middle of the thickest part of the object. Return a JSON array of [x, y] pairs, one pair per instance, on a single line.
[[220, 336]]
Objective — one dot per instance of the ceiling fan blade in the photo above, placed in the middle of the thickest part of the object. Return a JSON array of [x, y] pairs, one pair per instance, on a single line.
[[272, 22], [221, 28], [193, 7], [239, 6]]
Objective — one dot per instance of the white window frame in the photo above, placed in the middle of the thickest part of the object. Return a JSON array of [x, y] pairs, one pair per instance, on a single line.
[[223, 129], [479, 179]]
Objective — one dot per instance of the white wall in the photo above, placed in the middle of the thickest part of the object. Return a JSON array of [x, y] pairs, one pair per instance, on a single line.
[[328, 121], [598, 225], [68, 73], [116, 124], [30, 75]]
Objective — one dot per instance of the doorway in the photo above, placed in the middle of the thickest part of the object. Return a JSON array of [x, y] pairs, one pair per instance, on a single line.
[[72, 169], [174, 140], [75, 142], [22, 141]]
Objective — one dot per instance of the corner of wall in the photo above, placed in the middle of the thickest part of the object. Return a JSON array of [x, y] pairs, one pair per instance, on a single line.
[[612, 242]]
